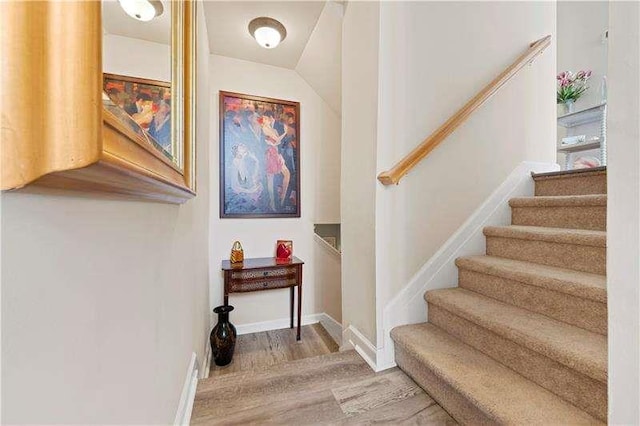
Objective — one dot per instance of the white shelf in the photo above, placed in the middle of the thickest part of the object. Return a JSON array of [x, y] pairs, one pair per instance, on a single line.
[[585, 116], [583, 146]]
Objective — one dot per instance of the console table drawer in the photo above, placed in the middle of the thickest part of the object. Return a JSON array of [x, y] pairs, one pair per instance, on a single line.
[[263, 284], [265, 273], [252, 274]]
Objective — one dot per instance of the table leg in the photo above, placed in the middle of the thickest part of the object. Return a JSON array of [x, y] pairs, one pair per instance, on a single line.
[[299, 301], [227, 279], [291, 290]]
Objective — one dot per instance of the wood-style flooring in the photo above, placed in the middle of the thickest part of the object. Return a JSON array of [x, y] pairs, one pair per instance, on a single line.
[[334, 388], [260, 350]]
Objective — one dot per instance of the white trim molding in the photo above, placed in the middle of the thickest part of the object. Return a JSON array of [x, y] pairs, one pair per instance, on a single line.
[[277, 324], [207, 360], [188, 395], [440, 271], [333, 327], [328, 247], [352, 338]]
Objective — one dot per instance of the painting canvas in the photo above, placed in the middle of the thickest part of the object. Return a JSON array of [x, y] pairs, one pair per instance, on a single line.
[[259, 157], [147, 102]]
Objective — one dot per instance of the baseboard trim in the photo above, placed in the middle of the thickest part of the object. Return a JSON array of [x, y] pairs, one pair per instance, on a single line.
[[207, 360], [333, 327], [352, 338], [328, 247], [188, 395], [408, 306], [276, 324]]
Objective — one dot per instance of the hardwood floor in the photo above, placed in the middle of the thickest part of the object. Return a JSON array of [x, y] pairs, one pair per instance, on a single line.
[[269, 386], [260, 350]]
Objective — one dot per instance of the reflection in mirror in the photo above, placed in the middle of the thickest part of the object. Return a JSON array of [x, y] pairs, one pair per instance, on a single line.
[[137, 67]]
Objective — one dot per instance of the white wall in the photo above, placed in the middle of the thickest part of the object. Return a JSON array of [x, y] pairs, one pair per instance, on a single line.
[[360, 33], [581, 25], [136, 58], [320, 66], [104, 301], [433, 57], [327, 266], [623, 214], [319, 132]]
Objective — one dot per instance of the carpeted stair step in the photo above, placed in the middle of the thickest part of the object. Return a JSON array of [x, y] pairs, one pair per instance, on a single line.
[[577, 249], [572, 182], [578, 298], [570, 211], [566, 360], [474, 388]]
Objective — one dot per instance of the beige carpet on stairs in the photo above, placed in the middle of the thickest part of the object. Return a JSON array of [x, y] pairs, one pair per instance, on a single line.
[[522, 340]]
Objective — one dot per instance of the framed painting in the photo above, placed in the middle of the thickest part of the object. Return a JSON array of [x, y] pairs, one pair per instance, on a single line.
[[259, 157], [147, 103]]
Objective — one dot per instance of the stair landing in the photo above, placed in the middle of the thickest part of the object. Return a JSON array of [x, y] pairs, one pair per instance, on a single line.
[[338, 388]]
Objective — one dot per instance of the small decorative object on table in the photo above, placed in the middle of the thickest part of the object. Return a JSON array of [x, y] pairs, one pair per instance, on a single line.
[[571, 87], [284, 251], [223, 337], [237, 254]]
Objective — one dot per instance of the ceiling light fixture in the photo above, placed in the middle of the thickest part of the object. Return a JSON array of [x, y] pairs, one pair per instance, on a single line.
[[267, 31], [142, 10]]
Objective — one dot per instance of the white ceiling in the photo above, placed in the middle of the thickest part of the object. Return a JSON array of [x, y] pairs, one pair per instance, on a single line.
[[227, 23], [116, 21]]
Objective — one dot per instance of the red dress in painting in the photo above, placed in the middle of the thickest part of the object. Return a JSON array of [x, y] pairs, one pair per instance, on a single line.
[[274, 159]]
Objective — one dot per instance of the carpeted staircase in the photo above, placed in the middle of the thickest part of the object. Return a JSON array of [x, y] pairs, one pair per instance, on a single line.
[[523, 338]]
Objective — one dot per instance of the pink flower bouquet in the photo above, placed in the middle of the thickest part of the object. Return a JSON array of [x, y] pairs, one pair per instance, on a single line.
[[572, 86]]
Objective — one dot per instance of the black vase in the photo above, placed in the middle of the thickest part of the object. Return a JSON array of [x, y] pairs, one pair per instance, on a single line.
[[223, 337]]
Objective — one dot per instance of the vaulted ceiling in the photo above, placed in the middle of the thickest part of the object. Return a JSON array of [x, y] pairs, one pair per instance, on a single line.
[[312, 47], [227, 23]]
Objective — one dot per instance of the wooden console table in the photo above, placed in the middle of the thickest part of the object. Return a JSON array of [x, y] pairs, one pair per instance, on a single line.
[[264, 274]]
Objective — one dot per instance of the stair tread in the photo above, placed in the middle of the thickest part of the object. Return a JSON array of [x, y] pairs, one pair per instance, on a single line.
[[259, 374], [555, 235], [563, 174], [498, 391], [588, 200], [579, 349], [581, 284]]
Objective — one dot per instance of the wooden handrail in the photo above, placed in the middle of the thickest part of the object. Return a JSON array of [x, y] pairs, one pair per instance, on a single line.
[[408, 162]]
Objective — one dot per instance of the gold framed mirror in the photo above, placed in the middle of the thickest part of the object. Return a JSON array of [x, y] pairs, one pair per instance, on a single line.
[[94, 146]]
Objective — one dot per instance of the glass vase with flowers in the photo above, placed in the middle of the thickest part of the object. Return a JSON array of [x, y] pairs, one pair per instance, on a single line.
[[571, 87]]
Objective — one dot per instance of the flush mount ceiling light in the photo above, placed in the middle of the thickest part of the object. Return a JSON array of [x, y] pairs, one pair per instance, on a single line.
[[267, 31], [142, 10]]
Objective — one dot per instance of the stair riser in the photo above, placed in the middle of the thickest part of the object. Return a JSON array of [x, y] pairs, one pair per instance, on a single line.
[[571, 256], [577, 311], [572, 185], [577, 388], [455, 403], [591, 217]]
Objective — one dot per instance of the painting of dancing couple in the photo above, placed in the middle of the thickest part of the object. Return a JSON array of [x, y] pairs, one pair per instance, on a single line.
[[259, 157], [147, 103]]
